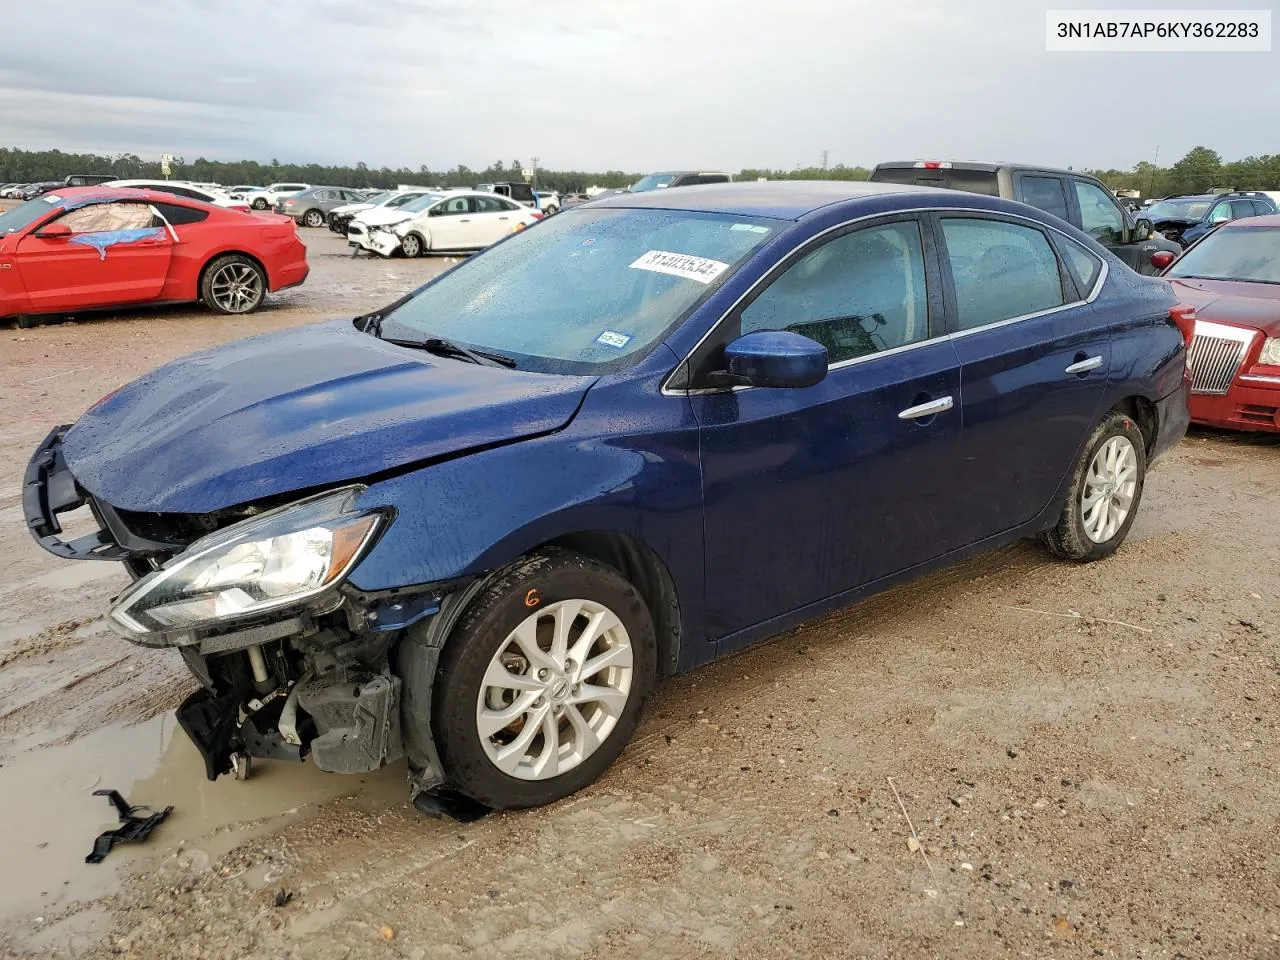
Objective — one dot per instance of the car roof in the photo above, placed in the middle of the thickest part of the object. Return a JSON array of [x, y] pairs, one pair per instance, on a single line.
[[979, 166], [779, 199], [105, 194]]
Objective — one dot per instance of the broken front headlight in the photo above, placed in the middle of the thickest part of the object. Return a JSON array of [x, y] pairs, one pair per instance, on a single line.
[[283, 558]]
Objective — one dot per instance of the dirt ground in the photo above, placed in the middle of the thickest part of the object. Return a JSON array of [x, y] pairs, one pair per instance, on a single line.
[[1088, 754]]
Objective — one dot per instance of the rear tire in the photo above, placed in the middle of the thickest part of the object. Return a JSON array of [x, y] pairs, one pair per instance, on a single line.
[[233, 284], [1106, 489], [581, 720], [313, 219]]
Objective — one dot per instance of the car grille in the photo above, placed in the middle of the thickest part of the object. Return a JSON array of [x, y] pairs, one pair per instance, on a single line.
[[1216, 354]]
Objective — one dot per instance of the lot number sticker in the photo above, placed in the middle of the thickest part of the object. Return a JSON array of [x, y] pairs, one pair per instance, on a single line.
[[681, 265]]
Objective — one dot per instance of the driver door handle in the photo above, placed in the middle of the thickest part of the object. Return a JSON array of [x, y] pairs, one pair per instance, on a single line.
[[1084, 366], [933, 407]]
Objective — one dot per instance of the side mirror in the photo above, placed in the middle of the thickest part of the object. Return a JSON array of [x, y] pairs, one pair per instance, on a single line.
[[54, 231], [1142, 229], [1162, 258], [772, 358]]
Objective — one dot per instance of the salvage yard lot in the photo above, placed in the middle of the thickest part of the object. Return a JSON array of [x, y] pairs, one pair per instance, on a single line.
[[1088, 754]]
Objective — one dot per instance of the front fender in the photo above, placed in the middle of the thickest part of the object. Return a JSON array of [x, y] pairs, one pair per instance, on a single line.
[[469, 515]]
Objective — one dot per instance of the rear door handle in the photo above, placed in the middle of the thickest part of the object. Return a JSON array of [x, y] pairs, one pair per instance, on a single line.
[[1084, 366], [941, 405], [468, 220]]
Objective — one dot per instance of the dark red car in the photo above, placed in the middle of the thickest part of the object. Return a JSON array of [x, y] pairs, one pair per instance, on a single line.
[[1232, 278], [93, 247]]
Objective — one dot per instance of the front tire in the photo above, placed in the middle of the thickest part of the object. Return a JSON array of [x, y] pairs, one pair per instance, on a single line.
[[541, 683], [412, 246], [259, 204], [1106, 489]]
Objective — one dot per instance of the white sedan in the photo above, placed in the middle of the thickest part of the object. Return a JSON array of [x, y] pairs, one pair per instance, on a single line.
[[460, 220], [182, 189]]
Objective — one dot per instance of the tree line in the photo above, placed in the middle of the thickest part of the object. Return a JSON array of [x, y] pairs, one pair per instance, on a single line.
[[1200, 170]]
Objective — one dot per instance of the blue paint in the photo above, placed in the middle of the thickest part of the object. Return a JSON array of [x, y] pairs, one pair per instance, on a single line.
[[110, 238], [766, 506]]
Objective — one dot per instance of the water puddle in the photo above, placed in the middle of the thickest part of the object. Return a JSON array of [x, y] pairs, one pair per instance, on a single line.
[[50, 817]]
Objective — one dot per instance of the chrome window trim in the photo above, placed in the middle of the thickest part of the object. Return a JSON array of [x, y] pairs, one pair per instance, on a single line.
[[667, 391]]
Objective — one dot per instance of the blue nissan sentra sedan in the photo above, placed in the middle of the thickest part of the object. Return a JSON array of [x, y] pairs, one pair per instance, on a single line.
[[474, 527]]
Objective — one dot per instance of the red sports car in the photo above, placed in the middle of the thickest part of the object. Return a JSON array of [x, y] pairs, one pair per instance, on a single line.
[[1232, 278], [92, 247]]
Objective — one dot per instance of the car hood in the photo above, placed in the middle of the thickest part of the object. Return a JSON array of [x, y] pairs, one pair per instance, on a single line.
[[299, 409], [1237, 302], [351, 208], [379, 217]]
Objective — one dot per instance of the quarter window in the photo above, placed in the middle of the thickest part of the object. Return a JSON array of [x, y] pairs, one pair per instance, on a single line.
[[1001, 270], [1084, 266], [1045, 193], [858, 294], [178, 216], [1099, 214]]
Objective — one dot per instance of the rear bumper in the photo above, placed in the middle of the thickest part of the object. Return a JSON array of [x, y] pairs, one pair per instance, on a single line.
[[1173, 416], [293, 275], [1252, 403]]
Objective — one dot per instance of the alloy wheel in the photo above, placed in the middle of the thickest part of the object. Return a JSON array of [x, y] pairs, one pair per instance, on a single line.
[[1110, 484], [237, 288], [554, 690]]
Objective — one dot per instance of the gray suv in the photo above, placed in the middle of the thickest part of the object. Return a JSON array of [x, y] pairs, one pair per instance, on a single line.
[[311, 207], [1081, 200]]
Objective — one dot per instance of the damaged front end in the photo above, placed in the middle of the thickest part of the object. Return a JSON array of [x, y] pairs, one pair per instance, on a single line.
[[293, 661]]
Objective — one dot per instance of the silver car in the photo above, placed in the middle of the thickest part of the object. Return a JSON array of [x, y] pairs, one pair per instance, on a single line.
[[311, 207]]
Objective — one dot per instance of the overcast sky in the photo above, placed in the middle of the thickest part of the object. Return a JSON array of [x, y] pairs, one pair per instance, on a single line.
[[612, 84]]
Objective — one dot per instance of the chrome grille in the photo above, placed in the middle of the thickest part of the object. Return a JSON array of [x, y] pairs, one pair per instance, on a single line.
[[1215, 357]]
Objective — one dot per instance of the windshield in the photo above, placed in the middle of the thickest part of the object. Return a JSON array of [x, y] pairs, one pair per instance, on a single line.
[[418, 204], [377, 199], [11, 221], [1243, 253], [652, 182], [1178, 210], [582, 292]]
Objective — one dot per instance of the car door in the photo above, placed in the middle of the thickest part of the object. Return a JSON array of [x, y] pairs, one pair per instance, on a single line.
[[453, 225], [1099, 215], [811, 492], [495, 217], [115, 253], [1034, 360]]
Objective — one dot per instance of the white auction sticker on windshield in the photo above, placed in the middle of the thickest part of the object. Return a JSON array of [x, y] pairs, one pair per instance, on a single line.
[[681, 265]]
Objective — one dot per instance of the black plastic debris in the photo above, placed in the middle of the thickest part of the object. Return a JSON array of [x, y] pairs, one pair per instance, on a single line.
[[455, 806], [134, 827]]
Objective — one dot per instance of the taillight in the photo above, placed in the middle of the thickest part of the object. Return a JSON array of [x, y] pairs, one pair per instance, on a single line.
[[537, 214], [1184, 316]]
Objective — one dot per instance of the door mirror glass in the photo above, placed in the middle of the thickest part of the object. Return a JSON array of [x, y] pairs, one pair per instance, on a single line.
[[54, 231], [772, 358], [1142, 230], [1161, 259]]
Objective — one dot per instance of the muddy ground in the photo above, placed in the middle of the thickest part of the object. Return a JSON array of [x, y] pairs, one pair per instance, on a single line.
[[1087, 754]]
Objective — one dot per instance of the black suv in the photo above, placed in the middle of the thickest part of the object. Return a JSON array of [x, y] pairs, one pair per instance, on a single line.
[[1081, 200], [1188, 218]]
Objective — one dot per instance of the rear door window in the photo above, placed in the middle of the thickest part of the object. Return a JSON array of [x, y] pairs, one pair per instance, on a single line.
[[1046, 193], [1000, 270], [1241, 208]]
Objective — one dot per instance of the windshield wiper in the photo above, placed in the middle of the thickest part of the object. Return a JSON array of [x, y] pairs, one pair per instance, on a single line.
[[370, 323], [448, 348]]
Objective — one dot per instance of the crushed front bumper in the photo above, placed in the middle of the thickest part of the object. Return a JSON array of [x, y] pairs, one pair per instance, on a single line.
[[49, 489]]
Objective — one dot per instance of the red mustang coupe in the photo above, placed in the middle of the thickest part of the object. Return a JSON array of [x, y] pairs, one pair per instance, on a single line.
[[93, 247], [1232, 278]]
